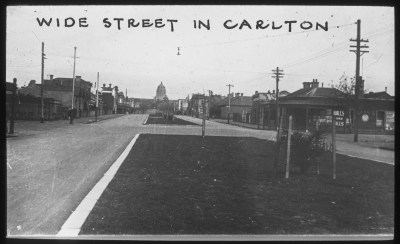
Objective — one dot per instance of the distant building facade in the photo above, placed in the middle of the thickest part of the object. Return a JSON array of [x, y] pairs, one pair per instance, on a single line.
[[161, 93], [198, 104]]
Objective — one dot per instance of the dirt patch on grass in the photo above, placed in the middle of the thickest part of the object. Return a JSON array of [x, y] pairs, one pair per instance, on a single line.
[[227, 185]]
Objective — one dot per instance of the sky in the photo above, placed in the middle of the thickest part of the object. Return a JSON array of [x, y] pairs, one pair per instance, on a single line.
[[137, 59]]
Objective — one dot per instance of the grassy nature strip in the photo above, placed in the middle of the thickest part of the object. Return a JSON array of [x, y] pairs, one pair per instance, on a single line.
[[224, 185], [163, 121]]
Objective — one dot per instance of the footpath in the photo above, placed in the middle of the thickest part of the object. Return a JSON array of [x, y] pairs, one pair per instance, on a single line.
[[29, 127], [379, 148]]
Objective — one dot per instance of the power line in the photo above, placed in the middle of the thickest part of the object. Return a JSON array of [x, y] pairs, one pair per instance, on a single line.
[[340, 47], [263, 37]]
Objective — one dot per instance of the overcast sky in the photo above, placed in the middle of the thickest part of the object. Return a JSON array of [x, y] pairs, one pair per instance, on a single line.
[[139, 58]]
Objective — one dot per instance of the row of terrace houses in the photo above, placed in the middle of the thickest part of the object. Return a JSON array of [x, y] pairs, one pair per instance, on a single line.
[[57, 99]]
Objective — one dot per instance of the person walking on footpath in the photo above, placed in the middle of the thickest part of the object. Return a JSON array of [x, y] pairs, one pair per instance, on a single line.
[[71, 115]]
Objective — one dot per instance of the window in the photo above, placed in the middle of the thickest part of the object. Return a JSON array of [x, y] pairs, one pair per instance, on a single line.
[[389, 125], [380, 115]]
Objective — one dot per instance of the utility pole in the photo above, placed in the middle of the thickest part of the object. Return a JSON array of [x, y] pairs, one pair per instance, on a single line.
[[209, 102], [14, 93], [97, 96], [229, 101], [277, 75], [358, 91], [71, 121], [80, 97], [73, 79], [41, 87], [203, 126]]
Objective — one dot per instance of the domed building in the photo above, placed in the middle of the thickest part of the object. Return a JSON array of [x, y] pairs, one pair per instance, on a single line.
[[161, 92]]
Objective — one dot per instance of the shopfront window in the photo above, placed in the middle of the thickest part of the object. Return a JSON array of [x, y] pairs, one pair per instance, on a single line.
[[389, 125], [380, 116]]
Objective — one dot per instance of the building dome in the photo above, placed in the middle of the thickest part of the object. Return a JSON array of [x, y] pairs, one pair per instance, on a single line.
[[161, 92]]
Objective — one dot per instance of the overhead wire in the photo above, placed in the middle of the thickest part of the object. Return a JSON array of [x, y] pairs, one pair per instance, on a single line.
[[263, 37], [320, 54]]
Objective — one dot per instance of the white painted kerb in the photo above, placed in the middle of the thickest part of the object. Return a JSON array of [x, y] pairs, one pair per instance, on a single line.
[[73, 225]]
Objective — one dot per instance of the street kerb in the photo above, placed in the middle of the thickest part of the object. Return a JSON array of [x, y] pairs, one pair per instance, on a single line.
[[72, 226], [144, 122]]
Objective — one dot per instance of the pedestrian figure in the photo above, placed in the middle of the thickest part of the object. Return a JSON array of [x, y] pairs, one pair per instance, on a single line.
[[69, 113], [72, 115]]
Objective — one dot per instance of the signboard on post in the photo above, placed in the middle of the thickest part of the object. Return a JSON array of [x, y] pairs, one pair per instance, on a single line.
[[339, 117]]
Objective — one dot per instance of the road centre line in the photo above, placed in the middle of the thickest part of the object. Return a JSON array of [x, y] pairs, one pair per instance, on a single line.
[[73, 225]]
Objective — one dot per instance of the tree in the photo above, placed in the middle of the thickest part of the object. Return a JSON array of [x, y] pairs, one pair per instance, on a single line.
[[346, 85]]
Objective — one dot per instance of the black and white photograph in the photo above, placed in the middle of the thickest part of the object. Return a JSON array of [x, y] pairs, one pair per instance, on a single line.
[[200, 122]]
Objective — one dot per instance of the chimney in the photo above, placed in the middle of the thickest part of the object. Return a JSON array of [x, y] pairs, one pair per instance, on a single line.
[[78, 77], [109, 85], [386, 89], [315, 83], [32, 82], [273, 91], [104, 85], [322, 84], [256, 92], [306, 85], [269, 92], [237, 94], [241, 94], [51, 77]]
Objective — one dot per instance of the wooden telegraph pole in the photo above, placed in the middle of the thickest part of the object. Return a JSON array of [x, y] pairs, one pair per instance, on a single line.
[[13, 98], [71, 121], [229, 101], [277, 75], [333, 146], [209, 103], [358, 89], [203, 125], [288, 147], [41, 87], [97, 96]]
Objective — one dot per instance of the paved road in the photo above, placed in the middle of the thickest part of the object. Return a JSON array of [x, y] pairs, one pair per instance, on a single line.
[[49, 173]]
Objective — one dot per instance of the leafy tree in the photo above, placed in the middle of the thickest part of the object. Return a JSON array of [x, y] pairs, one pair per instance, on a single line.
[[347, 85], [306, 147]]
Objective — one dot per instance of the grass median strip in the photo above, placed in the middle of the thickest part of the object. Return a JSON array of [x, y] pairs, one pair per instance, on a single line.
[[172, 184], [163, 121]]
